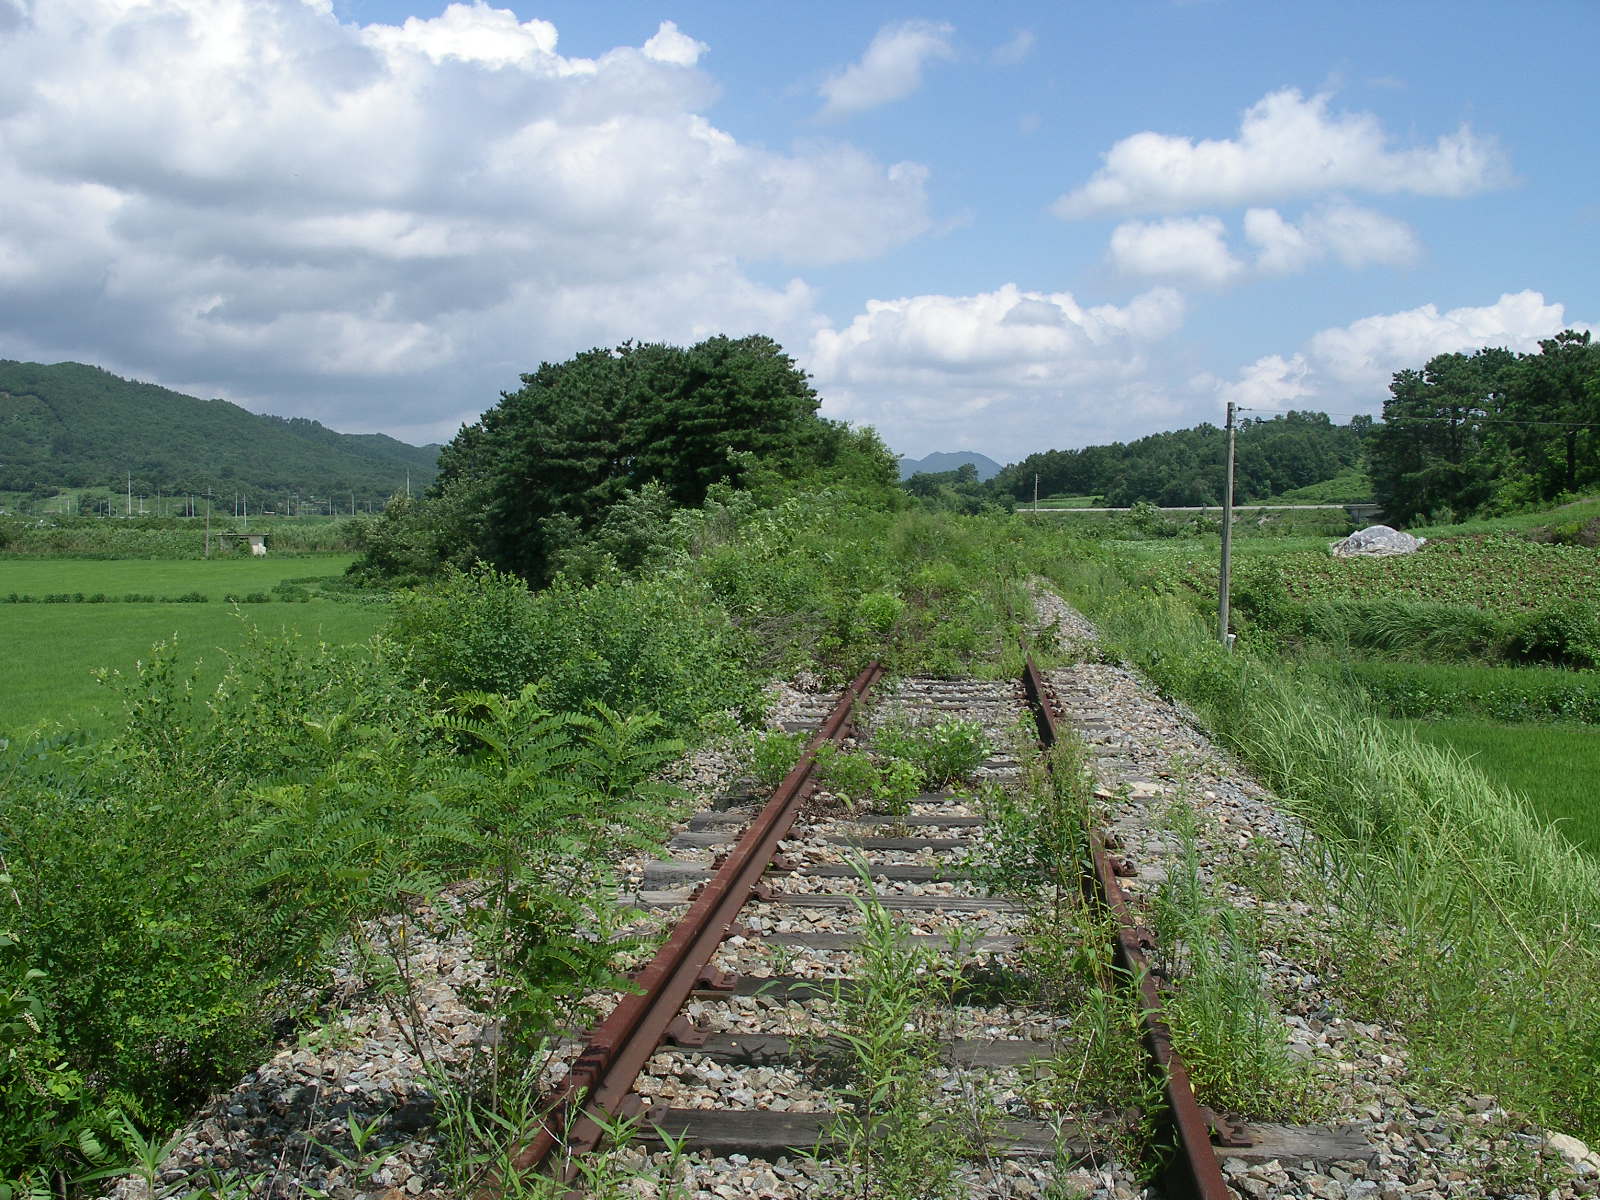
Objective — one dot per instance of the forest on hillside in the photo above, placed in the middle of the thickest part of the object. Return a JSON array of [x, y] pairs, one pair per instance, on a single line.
[[68, 425]]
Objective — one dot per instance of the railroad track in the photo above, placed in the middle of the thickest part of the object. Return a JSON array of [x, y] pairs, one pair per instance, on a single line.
[[727, 1049]]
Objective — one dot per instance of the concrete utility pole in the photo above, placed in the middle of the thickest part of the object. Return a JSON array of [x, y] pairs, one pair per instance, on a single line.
[[1227, 541], [1036, 492]]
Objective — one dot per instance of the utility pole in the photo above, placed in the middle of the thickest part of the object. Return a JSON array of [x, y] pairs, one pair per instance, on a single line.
[[208, 524], [130, 493], [1036, 493], [1227, 541]]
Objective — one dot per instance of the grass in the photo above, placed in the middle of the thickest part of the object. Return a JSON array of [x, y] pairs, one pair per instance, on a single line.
[[1520, 758], [48, 652], [214, 577], [1499, 984], [1350, 486], [1579, 510]]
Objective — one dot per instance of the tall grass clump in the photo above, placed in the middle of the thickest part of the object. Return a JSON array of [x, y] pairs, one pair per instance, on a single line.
[[1433, 691], [1413, 628], [1465, 918]]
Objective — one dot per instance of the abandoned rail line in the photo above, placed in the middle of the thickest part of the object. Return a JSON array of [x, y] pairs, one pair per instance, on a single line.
[[711, 1004]]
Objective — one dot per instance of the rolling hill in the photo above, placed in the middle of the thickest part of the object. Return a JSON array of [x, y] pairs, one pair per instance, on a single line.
[[68, 425]]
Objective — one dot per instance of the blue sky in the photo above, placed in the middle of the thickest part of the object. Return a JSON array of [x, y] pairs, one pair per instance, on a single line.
[[1002, 227]]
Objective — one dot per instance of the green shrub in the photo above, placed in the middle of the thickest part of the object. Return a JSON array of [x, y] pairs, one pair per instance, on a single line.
[[877, 613], [1566, 633], [630, 644], [774, 756], [943, 753], [849, 774], [1409, 628], [1511, 694]]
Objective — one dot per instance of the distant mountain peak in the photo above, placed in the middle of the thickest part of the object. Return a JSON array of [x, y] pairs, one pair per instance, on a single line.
[[948, 460]]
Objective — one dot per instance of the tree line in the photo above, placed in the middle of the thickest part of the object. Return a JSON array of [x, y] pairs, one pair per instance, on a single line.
[[1490, 431], [1187, 466]]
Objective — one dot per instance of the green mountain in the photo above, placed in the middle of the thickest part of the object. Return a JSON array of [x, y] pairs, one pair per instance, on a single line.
[[68, 425], [949, 460]]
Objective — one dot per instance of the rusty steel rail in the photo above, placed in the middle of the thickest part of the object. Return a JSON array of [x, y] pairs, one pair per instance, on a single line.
[[1193, 1171], [600, 1083]]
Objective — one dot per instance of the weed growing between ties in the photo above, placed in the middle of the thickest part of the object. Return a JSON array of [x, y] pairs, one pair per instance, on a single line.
[[1036, 850], [905, 761], [892, 1125], [1223, 1022], [944, 752], [1465, 920]]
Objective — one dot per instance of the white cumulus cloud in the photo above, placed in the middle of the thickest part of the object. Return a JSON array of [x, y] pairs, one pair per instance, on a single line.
[[668, 45], [1348, 368], [367, 222], [1178, 248], [1001, 369], [1287, 145], [890, 69], [1196, 250]]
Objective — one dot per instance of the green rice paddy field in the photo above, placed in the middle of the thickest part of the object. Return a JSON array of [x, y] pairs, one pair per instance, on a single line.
[[1521, 757], [216, 577], [48, 652]]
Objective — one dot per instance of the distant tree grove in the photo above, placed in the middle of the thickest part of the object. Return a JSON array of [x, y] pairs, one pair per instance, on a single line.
[[1490, 431]]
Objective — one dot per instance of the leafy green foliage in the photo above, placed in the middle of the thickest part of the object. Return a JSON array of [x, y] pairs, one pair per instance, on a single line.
[[1567, 633], [625, 643], [943, 753], [1186, 466], [1438, 690], [894, 1126], [170, 891], [773, 756], [541, 469]]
